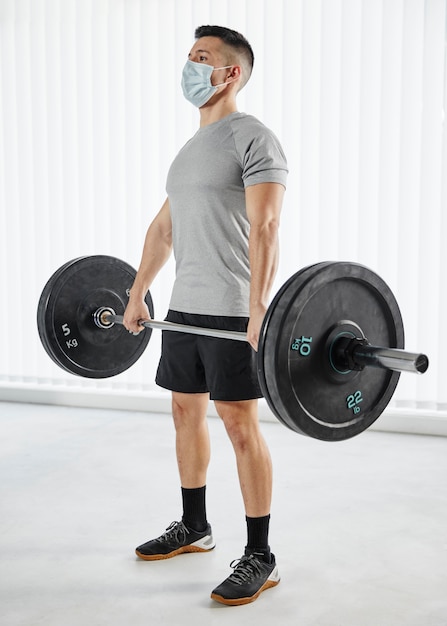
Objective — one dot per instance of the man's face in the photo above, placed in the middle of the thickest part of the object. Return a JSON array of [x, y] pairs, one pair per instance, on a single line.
[[208, 50]]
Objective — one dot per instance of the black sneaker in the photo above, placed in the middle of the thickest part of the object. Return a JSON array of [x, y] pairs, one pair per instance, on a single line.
[[176, 540], [251, 576]]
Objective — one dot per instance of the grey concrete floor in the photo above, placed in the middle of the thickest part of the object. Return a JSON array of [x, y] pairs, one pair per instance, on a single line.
[[359, 528]]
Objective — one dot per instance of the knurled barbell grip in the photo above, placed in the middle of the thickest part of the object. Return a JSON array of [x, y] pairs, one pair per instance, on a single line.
[[183, 328]]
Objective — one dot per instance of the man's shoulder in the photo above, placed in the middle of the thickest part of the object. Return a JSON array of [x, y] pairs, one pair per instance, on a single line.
[[247, 127], [246, 121]]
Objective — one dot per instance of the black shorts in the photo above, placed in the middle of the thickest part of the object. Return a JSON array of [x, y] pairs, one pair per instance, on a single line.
[[225, 368]]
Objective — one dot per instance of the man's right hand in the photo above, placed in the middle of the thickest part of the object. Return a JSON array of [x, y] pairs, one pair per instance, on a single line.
[[135, 312]]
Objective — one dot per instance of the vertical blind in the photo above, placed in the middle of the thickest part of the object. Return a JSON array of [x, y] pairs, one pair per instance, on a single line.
[[91, 115]]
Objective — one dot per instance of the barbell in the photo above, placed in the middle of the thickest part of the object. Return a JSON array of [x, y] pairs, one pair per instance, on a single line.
[[330, 349]]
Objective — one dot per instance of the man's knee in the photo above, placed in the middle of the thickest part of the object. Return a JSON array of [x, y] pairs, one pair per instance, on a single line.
[[241, 422], [189, 409]]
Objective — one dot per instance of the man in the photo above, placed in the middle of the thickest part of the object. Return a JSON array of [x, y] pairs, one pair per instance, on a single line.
[[225, 190]]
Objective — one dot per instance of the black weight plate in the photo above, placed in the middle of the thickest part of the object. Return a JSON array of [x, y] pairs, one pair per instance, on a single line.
[[300, 385], [65, 317]]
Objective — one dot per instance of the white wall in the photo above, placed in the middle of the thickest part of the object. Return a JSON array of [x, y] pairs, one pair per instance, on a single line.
[[91, 114]]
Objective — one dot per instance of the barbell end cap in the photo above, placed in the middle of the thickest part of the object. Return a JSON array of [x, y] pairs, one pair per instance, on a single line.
[[104, 317], [421, 363]]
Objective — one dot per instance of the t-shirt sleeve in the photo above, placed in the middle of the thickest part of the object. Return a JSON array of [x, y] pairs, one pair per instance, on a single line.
[[263, 160]]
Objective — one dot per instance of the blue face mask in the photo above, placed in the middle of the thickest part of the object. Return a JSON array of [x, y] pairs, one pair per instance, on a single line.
[[196, 82]]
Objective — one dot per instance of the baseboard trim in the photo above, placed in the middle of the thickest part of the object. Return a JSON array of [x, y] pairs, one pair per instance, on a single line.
[[399, 420]]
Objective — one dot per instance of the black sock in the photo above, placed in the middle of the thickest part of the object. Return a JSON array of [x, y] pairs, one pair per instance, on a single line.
[[257, 536], [194, 510]]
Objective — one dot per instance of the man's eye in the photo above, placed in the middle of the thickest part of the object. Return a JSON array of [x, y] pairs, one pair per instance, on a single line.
[[202, 58]]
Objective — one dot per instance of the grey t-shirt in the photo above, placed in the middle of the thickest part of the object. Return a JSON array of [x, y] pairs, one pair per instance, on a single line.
[[206, 190]]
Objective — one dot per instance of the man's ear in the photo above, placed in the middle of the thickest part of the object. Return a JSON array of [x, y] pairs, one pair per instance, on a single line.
[[235, 72]]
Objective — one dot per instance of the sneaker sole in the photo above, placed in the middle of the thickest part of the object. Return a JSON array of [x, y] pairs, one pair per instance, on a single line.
[[239, 601], [183, 550]]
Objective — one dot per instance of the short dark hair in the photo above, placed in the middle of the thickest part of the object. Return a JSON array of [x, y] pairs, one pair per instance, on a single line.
[[232, 39]]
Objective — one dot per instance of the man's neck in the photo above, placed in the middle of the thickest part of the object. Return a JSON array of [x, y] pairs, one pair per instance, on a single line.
[[216, 112]]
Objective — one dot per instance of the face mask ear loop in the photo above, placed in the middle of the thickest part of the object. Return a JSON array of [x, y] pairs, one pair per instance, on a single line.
[[222, 68], [225, 83]]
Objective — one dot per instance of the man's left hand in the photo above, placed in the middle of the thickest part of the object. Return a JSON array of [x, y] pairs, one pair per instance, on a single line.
[[254, 326]]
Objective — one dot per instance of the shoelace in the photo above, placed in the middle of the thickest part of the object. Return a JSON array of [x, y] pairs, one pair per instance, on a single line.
[[173, 531], [244, 568]]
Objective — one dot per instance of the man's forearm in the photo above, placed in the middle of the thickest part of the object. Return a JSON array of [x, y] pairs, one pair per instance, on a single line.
[[263, 254]]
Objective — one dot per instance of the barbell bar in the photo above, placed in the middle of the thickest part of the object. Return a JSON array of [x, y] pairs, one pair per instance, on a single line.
[[331, 346], [355, 352], [105, 318]]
